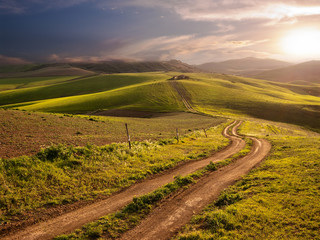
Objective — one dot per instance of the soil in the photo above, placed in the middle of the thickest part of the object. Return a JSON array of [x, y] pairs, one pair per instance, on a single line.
[[129, 113], [71, 220], [166, 220], [25, 133]]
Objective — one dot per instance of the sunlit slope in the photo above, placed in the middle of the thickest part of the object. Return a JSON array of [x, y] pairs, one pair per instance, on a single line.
[[228, 95], [28, 82], [75, 87], [216, 94], [154, 96]]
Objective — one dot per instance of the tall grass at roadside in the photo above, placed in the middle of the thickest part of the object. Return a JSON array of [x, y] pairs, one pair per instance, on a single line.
[[60, 174], [114, 225], [278, 200]]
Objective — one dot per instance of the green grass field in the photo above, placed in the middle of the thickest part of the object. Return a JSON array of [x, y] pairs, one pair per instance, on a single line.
[[278, 200], [209, 93], [60, 174], [25, 133], [28, 82]]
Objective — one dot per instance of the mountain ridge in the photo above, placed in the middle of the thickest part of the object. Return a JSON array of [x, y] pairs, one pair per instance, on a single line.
[[244, 66]]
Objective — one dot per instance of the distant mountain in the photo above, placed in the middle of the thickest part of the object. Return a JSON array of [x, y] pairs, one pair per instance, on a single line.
[[300, 73], [134, 67], [245, 66]]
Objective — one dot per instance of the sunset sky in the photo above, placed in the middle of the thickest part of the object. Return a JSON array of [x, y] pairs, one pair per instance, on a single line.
[[193, 31]]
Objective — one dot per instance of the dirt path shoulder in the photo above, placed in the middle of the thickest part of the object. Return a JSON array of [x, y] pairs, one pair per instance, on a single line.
[[68, 222], [167, 219]]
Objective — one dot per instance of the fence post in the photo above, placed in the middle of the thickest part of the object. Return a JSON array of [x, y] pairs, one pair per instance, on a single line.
[[177, 134], [205, 132], [128, 136]]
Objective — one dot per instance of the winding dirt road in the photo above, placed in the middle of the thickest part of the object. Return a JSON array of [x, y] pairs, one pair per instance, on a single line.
[[68, 222], [167, 219]]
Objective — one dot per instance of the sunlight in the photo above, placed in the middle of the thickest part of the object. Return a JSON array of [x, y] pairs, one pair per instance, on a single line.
[[302, 43]]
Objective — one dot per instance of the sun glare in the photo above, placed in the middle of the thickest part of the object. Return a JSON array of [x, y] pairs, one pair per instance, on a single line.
[[302, 43]]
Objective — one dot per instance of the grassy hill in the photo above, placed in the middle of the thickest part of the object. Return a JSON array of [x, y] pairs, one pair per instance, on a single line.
[[229, 95], [145, 91], [43, 70], [308, 72], [209, 93], [83, 69], [134, 67]]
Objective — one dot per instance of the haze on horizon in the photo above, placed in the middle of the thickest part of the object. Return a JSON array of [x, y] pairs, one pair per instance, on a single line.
[[193, 31]]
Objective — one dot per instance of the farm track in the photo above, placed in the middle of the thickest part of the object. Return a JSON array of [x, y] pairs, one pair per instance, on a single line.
[[68, 222], [183, 94], [166, 220]]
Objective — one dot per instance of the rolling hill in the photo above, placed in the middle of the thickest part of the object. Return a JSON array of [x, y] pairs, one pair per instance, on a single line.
[[134, 67], [82, 69], [308, 72], [244, 66], [208, 93], [43, 70]]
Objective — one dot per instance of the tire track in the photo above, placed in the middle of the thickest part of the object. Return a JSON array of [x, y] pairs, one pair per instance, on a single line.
[[166, 220], [183, 94], [68, 222]]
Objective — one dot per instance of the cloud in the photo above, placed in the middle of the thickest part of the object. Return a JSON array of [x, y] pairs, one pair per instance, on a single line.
[[25, 6], [196, 10], [208, 10], [11, 7], [4, 60], [186, 47]]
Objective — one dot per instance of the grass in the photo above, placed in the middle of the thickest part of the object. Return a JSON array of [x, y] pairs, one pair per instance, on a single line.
[[278, 200], [25, 133], [59, 174], [238, 96], [29, 82], [80, 86], [215, 94], [114, 225], [156, 97]]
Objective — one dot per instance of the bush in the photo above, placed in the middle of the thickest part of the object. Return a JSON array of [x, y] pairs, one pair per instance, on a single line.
[[227, 199], [55, 152]]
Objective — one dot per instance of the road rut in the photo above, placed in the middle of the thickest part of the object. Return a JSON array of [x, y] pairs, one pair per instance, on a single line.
[[165, 221], [68, 222]]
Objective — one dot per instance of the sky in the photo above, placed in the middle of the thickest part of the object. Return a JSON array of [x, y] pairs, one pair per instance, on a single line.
[[193, 31]]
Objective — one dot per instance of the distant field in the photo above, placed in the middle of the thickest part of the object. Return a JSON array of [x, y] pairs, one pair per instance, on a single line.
[[238, 96], [16, 83], [26, 133], [215, 94]]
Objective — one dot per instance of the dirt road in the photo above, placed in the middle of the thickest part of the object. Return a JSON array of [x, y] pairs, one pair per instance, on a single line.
[[167, 219], [68, 222], [183, 94]]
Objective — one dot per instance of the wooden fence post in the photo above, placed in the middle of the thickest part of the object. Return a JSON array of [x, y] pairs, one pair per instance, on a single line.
[[205, 132], [128, 136], [177, 134]]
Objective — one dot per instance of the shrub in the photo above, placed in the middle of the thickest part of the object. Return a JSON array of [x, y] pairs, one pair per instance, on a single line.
[[55, 152]]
